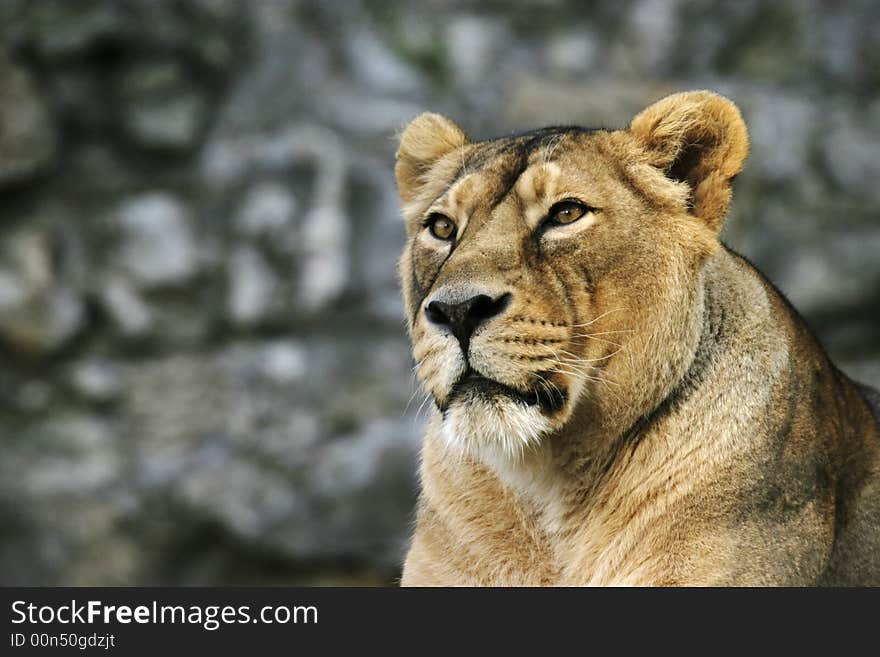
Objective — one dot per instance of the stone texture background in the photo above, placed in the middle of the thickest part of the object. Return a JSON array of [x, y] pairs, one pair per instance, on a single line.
[[204, 376]]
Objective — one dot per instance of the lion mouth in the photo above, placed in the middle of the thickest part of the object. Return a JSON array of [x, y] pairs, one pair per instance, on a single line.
[[473, 384]]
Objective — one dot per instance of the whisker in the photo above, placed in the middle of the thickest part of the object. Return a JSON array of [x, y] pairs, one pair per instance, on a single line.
[[419, 363], [596, 360], [570, 371], [615, 331], [463, 160], [597, 318], [548, 382], [599, 381], [422, 405], [592, 336], [586, 335], [551, 148], [411, 397]]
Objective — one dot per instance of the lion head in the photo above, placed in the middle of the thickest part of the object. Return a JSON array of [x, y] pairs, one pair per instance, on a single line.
[[558, 270]]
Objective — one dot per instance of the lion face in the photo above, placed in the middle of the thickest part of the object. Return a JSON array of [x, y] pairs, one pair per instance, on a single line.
[[533, 262]]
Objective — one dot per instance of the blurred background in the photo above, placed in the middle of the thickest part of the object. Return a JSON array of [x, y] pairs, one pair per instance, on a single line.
[[204, 373]]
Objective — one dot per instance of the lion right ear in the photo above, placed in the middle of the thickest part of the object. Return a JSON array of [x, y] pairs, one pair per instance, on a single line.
[[697, 138], [426, 139]]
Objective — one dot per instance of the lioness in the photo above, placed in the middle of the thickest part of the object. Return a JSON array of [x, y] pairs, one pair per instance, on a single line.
[[620, 399]]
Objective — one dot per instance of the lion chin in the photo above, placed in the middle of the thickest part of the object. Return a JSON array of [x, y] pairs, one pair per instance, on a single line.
[[493, 427]]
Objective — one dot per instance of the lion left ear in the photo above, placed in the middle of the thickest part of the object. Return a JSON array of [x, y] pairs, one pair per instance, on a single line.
[[425, 140], [699, 138]]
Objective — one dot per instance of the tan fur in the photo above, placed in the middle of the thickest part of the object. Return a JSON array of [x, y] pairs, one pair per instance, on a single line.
[[703, 436]]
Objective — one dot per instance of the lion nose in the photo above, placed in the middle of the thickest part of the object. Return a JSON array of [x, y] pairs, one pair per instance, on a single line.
[[462, 317]]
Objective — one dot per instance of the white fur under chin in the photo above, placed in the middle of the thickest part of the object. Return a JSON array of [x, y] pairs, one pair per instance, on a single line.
[[493, 429]]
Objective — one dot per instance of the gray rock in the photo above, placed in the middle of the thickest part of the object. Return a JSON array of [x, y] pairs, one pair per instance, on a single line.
[[32, 397], [96, 381], [230, 158], [254, 289], [68, 454], [247, 500], [324, 272], [291, 443], [61, 490], [79, 98], [850, 148], [352, 463], [171, 123], [267, 210], [282, 77], [12, 291], [831, 275], [350, 505], [28, 140], [321, 241], [157, 246], [380, 236], [279, 362], [284, 362], [572, 52], [222, 437], [838, 44], [654, 31], [363, 482], [780, 131], [368, 116], [473, 45], [45, 323], [61, 29], [376, 67], [38, 313], [130, 314], [162, 107]]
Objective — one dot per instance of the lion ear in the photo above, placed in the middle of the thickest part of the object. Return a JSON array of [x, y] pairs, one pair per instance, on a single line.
[[426, 139], [699, 138]]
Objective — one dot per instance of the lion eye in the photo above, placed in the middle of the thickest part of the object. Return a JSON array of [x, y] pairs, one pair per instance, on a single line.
[[566, 212], [443, 228]]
